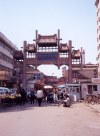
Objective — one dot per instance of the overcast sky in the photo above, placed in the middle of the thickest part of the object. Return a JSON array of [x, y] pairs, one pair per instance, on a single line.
[[76, 20]]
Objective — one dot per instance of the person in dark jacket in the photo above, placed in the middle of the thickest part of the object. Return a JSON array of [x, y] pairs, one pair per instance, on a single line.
[[32, 96], [23, 96]]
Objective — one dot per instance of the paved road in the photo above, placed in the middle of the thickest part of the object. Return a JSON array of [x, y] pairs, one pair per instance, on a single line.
[[49, 120]]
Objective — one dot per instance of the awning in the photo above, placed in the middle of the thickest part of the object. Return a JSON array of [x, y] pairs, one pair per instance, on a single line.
[[48, 87]]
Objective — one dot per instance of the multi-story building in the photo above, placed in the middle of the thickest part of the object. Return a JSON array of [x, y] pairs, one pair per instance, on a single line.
[[84, 74], [97, 4], [6, 59], [34, 78]]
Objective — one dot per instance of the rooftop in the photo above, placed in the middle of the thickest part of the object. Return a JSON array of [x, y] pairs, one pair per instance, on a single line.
[[3, 37]]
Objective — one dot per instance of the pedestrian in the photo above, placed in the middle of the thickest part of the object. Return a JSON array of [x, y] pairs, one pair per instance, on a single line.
[[55, 97], [23, 96], [61, 95], [39, 96], [66, 101], [28, 95], [32, 96]]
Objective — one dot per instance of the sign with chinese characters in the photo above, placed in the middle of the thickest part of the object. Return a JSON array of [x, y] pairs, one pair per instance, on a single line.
[[96, 80], [47, 57]]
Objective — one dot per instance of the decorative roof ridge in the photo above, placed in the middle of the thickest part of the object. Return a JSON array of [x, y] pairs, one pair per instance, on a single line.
[[46, 36]]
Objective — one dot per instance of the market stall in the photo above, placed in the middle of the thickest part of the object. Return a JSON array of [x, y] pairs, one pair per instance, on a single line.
[[9, 100]]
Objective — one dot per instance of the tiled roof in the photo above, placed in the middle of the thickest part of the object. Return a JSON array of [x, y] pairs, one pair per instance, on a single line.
[[18, 54], [31, 47], [64, 46], [47, 39], [76, 53]]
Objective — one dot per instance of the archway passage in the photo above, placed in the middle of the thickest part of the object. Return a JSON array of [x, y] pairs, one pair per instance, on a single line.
[[48, 49]]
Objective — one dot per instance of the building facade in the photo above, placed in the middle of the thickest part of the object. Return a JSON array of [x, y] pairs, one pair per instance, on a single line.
[[84, 74], [97, 4], [6, 59]]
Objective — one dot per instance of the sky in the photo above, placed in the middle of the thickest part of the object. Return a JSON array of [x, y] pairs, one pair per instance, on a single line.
[[76, 19]]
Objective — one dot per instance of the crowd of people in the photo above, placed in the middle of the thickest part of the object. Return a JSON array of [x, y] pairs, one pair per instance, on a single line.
[[22, 96], [49, 96]]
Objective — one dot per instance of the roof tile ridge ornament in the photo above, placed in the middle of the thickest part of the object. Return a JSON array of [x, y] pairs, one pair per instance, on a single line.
[[63, 47], [47, 36], [63, 44]]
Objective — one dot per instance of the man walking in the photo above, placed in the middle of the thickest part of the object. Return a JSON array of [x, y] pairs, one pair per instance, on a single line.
[[39, 97]]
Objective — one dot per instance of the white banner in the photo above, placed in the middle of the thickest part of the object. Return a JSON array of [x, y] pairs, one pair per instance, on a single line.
[[96, 80]]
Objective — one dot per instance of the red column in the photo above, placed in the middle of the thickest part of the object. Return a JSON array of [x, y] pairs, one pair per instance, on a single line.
[[70, 62], [24, 64]]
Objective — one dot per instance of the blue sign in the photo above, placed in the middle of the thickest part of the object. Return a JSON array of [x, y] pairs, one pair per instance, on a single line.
[[45, 57]]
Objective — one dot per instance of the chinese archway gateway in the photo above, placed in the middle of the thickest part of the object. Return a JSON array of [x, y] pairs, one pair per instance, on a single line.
[[48, 49]]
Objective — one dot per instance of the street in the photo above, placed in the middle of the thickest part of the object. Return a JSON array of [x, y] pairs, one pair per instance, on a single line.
[[49, 120]]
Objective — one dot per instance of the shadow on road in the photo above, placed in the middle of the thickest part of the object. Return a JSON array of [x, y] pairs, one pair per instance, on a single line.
[[28, 106]]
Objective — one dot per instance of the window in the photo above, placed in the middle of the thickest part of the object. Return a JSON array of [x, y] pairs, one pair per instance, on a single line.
[[94, 87], [37, 76]]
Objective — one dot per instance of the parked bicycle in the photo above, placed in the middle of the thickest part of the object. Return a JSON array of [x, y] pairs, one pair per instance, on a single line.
[[93, 99]]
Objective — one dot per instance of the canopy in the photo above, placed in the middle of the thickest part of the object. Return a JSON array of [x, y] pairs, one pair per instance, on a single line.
[[48, 87]]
